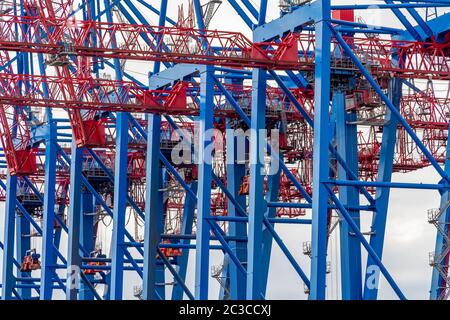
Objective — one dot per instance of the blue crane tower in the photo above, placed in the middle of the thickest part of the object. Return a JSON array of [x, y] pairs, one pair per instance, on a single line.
[[140, 145]]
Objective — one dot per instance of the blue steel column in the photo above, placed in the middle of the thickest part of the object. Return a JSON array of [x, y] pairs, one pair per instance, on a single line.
[[186, 229], [160, 267], [59, 213], [347, 144], [8, 281], [199, 14], [204, 183], [87, 237], [120, 192], [385, 166], [48, 253], [23, 229], [23, 226], [235, 174], [153, 212], [273, 190], [257, 204], [161, 22], [74, 221], [320, 155], [442, 245], [159, 274], [120, 189], [267, 237]]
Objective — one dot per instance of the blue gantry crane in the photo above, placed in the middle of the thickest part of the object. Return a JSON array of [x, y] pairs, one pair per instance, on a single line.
[[132, 138]]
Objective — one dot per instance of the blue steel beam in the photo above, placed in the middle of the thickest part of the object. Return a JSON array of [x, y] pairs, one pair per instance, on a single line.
[[97, 197], [215, 178], [87, 283], [344, 213], [49, 236], [267, 236], [362, 27], [388, 185], [405, 22], [24, 211], [41, 199], [186, 229], [110, 175], [191, 199], [81, 224], [75, 220], [440, 26], [248, 21], [142, 20], [158, 38], [320, 154], [22, 226], [310, 121], [150, 7], [254, 12], [388, 103], [290, 22], [283, 166], [422, 24], [391, 5], [235, 174], [171, 75], [175, 274], [224, 292], [154, 224], [8, 281], [262, 12], [172, 121], [23, 241], [385, 167], [286, 251], [48, 253], [393, 110], [218, 232], [166, 162], [88, 236], [227, 193], [199, 14], [153, 207], [120, 191], [221, 236], [276, 157], [439, 284]]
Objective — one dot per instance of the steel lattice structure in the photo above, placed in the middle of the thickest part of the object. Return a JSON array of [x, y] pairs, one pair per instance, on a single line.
[[85, 141]]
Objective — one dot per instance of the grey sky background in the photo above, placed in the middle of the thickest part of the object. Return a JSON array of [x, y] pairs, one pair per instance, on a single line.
[[409, 237]]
